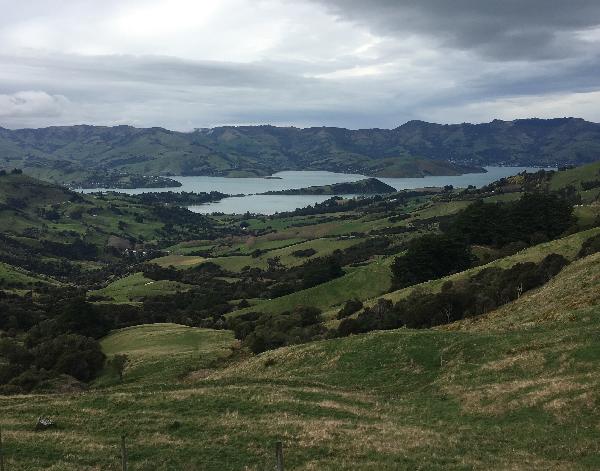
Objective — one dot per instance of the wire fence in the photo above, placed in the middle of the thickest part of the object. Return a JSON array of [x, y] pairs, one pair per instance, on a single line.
[[278, 461]]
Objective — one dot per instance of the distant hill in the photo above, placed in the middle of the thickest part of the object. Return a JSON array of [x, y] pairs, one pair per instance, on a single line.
[[45, 227], [367, 186], [416, 148]]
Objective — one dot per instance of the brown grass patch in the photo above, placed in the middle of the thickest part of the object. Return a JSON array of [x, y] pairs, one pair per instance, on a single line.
[[526, 360], [503, 397]]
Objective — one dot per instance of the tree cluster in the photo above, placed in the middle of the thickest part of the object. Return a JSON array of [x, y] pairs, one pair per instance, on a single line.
[[534, 218], [478, 294], [264, 331]]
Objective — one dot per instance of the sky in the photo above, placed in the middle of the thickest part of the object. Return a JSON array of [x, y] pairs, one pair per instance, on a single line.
[[185, 64]]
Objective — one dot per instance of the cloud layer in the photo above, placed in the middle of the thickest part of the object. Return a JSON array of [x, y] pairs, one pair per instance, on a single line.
[[183, 64]]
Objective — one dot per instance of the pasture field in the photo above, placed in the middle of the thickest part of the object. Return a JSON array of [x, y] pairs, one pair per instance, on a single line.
[[479, 397], [359, 282], [323, 247], [575, 176], [588, 215], [179, 261], [134, 287], [162, 353], [185, 248], [17, 277]]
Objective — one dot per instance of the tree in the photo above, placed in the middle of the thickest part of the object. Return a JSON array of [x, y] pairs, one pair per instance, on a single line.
[[350, 307], [320, 270], [534, 217], [430, 257], [274, 263], [117, 365]]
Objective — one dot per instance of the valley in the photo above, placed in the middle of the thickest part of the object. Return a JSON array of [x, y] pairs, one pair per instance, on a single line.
[[436, 328]]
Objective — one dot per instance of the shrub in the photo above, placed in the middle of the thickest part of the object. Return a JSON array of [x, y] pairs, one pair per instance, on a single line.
[[590, 246], [117, 365], [304, 253], [265, 331], [72, 354], [350, 307]]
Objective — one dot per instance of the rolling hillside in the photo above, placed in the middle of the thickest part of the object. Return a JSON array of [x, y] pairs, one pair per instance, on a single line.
[[515, 388], [416, 148], [505, 392]]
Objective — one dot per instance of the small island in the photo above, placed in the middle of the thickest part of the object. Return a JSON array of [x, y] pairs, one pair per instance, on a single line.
[[367, 186]]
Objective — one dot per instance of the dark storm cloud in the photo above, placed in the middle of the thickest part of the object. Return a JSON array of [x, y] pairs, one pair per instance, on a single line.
[[498, 29]]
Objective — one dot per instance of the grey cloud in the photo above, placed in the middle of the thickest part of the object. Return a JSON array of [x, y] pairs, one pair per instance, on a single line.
[[150, 69], [428, 55], [505, 30]]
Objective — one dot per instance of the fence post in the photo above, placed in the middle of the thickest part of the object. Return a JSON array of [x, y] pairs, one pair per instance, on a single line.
[[123, 453], [1, 451], [279, 455]]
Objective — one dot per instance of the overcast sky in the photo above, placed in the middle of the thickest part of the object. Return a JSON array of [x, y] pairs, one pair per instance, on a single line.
[[183, 64]]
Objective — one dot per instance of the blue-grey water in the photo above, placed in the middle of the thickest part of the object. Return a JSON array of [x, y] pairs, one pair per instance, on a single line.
[[270, 204]]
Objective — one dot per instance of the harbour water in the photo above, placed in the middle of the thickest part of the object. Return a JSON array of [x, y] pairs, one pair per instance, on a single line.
[[270, 204]]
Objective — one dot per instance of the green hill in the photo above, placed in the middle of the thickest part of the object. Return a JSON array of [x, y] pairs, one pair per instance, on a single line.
[[575, 176], [14, 277], [516, 388], [489, 395], [68, 154], [135, 287], [368, 186], [44, 226], [164, 352]]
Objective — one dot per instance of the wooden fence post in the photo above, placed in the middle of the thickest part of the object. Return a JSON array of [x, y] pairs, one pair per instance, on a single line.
[[1, 451], [279, 455], [123, 453]]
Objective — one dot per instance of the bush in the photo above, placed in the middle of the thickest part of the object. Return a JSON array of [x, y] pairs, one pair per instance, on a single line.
[[265, 331], [72, 354], [304, 253], [117, 365], [319, 271], [350, 307], [590, 246]]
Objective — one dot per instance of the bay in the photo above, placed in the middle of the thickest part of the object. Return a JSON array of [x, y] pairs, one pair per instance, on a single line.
[[270, 204]]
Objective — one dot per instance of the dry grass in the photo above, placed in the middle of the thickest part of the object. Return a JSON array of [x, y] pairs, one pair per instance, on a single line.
[[178, 261], [576, 287]]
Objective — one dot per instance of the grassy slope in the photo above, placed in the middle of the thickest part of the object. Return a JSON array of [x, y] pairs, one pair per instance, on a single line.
[[568, 247], [323, 247], [577, 175], [13, 276], [564, 299], [96, 227], [161, 353], [483, 397], [136, 286], [362, 282], [370, 282], [178, 261]]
